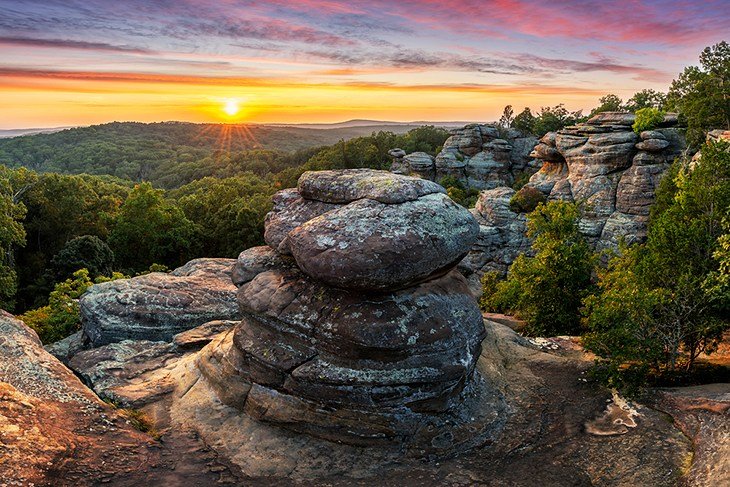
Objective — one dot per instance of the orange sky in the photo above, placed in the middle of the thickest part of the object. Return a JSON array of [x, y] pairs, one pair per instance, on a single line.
[[79, 63]]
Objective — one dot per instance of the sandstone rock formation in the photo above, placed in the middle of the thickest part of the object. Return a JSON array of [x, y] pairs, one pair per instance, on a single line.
[[602, 165], [365, 334], [477, 155], [157, 306], [55, 431]]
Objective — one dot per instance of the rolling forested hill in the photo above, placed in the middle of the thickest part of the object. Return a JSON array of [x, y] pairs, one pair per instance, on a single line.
[[170, 154]]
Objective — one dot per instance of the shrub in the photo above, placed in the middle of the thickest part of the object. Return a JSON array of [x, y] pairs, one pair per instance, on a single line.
[[546, 290], [647, 119], [61, 317], [85, 252], [526, 199], [521, 179], [466, 197], [661, 304]]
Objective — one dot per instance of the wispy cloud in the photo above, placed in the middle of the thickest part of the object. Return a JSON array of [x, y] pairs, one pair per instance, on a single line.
[[71, 44]]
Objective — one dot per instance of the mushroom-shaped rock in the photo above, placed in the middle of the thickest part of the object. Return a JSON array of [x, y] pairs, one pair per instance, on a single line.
[[345, 186], [371, 245]]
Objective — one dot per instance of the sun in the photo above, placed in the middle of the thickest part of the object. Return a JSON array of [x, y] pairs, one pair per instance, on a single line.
[[231, 107]]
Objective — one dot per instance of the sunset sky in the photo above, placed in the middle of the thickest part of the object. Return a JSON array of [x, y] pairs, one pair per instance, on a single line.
[[71, 62]]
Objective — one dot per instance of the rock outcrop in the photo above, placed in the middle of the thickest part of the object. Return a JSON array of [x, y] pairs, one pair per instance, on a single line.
[[602, 165], [478, 156], [365, 333], [157, 306]]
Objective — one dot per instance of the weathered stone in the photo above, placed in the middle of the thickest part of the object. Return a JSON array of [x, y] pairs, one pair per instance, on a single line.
[[157, 306], [376, 246], [290, 210], [604, 166], [55, 431], [202, 335], [348, 185], [502, 236], [477, 156], [653, 145], [652, 134]]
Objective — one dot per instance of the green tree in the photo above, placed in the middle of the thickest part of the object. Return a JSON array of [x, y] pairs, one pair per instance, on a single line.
[[150, 229], [701, 94], [555, 118], [60, 208], [86, 252], [646, 99], [13, 184], [61, 317], [608, 103], [647, 119], [661, 304], [546, 290], [508, 116], [229, 213], [524, 121]]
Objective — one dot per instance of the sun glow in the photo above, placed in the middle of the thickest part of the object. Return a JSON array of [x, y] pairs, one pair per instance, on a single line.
[[231, 107]]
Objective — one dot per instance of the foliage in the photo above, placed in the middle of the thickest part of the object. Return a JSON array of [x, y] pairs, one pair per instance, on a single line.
[[60, 318], [647, 119], [640, 99], [521, 179], [508, 116], [608, 103], [661, 304], [701, 94], [458, 192], [171, 154], [86, 252], [228, 213], [555, 118], [526, 199], [12, 232], [61, 208], [524, 121], [546, 290], [645, 99], [149, 229]]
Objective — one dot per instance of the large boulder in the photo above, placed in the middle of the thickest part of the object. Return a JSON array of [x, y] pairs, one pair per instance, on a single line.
[[157, 306], [366, 334], [375, 246]]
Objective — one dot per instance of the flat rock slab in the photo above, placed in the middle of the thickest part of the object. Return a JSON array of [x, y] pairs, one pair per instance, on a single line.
[[345, 186], [158, 306]]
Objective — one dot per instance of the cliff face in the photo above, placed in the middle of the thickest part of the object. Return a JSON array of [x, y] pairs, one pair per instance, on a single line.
[[602, 165], [477, 155]]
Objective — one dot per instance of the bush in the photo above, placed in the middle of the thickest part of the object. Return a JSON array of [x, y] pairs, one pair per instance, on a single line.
[[86, 252], [546, 290], [521, 179], [526, 199], [661, 304], [466, 197], [61, 317], [647, 119]]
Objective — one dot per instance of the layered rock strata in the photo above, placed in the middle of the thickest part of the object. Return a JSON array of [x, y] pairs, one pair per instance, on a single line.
[[603, 165], [157, 306], [356, 328], [478, 156]]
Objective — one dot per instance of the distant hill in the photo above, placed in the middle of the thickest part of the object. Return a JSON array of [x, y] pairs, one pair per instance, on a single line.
[[4, 134], [381, 124], [172, 153]]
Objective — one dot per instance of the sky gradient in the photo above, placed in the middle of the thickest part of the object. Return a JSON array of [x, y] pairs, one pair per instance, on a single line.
[[71, 62]]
